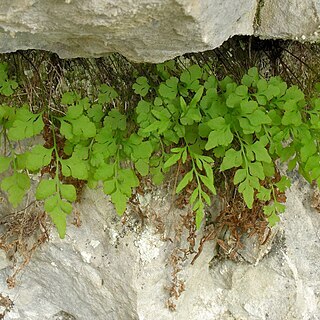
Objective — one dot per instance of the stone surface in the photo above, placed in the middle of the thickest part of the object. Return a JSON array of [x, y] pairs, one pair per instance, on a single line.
[[149, 31], [141, 30], [289, 19], [4, 262], [105, 270]]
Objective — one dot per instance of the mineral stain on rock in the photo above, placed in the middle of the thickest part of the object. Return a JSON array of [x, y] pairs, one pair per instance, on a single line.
[[63, 315]]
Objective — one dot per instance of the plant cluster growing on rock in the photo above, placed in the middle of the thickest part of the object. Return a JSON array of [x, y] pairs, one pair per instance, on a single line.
[[187, 120]]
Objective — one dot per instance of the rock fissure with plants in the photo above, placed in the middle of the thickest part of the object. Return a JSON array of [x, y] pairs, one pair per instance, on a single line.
[[188, 121]]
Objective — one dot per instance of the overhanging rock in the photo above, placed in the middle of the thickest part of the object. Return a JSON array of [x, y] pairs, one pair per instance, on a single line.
[[142, 30], [149, 31]]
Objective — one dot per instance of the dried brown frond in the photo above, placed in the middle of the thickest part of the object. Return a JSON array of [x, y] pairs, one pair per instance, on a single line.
[[6, 305], [23, 232]]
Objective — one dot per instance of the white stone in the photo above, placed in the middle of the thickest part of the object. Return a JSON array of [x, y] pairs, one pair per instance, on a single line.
[[129, 269], [142, 30], [149, 30], [94, 243], [86, 256], [289, 19]]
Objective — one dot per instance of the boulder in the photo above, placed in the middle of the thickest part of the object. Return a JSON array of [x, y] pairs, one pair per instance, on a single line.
[[149, 31], [143, 30]]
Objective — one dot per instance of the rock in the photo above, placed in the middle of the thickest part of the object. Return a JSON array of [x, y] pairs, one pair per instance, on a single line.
[[289, 19], [149, 31], [143, 30], [107, 270], [4, 262]]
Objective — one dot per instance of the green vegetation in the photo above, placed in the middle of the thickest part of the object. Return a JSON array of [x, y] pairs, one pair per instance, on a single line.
[[188, 120]]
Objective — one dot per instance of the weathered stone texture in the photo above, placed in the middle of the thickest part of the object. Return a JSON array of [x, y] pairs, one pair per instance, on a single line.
[[149, 31], [107, 271], [142, 30], [289, 19]]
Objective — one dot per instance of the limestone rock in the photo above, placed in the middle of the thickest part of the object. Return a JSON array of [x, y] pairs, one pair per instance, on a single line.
[[149, 31], [142, 30], [105, 270], [289, 19], [4, 262]]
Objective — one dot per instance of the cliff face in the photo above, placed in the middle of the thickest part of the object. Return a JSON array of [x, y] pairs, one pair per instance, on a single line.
[[110, 270], [128, 268], [148, 31]]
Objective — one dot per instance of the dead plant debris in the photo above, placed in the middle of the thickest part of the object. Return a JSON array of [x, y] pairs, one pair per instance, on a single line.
[[24, 231], [6, 305]]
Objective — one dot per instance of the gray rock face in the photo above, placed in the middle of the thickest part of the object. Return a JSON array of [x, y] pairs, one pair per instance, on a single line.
[[149, 31], [142, 30], [289, 19], [106, 270]]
